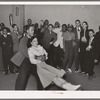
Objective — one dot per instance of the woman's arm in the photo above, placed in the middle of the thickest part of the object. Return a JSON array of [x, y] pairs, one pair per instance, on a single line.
[[31, 54], [46, 54]]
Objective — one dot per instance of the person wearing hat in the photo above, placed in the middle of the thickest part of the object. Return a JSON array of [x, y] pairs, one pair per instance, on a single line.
[[6, 44], [69, 43]]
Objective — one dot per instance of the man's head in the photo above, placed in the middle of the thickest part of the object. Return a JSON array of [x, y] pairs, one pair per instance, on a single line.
[[30, 30], [50, 27], [4, 31], [77, 23], [46, 22], [70, 27], [29, 21], [99, 28], [57, 25], [64, 28], [15, 27], [91, 33], [36, 25]]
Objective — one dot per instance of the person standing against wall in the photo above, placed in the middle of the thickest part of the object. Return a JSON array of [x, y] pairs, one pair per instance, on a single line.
[[77, 30], [47, 41], [6, 44], [22, 59], [58, 47], [16, 36], [69, 43], [83, 44], [92, 54]]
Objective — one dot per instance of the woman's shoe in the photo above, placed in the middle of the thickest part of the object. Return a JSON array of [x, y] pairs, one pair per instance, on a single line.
[[63, 71], [70, 87]]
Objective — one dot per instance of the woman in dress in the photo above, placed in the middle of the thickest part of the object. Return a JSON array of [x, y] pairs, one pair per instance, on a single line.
[[84, 38], [47, 73]]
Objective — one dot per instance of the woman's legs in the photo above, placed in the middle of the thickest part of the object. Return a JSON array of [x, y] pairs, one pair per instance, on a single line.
[[64, 84]]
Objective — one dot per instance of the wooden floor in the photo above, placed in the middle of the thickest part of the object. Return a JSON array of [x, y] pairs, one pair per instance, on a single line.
[[7, 82]]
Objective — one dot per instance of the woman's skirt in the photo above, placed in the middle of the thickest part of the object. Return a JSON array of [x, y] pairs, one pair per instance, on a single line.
[[47, 73]]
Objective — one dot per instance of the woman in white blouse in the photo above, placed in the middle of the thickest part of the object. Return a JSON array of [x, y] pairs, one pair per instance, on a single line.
[[47, 73]]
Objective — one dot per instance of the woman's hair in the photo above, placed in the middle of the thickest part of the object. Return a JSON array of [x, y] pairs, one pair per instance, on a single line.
[[13, 25], [77, 21], [50, 25], [31, 39], [85, 23], [91, 30], [64, 25]]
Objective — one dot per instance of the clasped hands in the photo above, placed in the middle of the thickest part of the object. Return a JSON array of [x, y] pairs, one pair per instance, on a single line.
[[84, 39], [41, 58], [88, 48]]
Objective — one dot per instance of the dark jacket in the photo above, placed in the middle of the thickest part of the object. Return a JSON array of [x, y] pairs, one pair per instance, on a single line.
[[47, 38], [6, 44]]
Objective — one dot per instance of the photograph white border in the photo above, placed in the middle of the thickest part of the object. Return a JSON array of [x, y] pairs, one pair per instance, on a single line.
[[50, 94]]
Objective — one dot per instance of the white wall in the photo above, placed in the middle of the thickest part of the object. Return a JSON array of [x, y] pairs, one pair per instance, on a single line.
[[64, 14], [5, 10]]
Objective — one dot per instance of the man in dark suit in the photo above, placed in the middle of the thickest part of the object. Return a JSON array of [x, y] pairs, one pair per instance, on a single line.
[[6, 44], [48, 39], [77, 31], [97, 35], [26, 68]]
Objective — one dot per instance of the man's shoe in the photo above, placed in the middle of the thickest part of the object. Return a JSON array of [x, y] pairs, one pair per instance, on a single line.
[[12, 72], [90, 77], [6, 73], [77, 71], [69, 70]]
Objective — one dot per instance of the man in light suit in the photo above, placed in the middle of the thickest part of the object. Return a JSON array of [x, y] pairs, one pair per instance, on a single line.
[[26, 68]]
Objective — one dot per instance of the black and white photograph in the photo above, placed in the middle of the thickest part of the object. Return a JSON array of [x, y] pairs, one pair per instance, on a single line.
[[50, 47]]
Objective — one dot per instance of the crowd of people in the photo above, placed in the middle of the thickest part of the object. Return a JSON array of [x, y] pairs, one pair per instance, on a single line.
[[48, 51]]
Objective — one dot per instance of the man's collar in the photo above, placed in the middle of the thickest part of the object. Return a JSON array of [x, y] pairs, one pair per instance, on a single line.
[[28, 36]]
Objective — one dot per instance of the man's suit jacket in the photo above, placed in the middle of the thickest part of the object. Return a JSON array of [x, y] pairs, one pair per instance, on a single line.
[[76, 35], [96, 47], [77, 41], [18, 58], [6, 44], [47, 38]]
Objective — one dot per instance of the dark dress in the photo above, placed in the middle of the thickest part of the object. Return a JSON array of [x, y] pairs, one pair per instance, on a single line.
[[83, 53], [92, 55]]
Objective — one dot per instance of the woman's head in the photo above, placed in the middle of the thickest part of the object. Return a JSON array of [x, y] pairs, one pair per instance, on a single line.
[[70, 27], [91, 33], [14, 26], [57, 24], [34, 41], [85, 25]]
